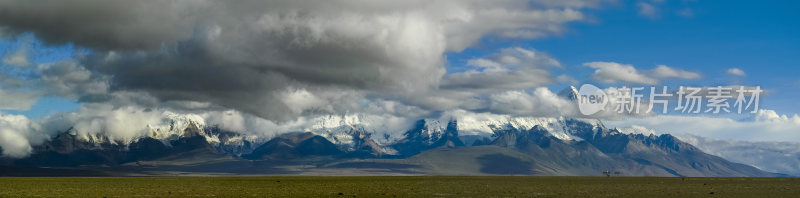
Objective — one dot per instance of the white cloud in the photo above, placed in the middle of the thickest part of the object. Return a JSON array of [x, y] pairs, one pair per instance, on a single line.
[[563, 78], [199, 55], [16, 135], [662, 71], [17, 100], [509, 68], [527, 58], [772, 156], [647, 10], [128, 123], [766, 125], [119, 124], [540, 102], [610, 72], [300, 100], [484, 63], [203, 51], [18, 58], [13, 144], [69, 79], [230, 120], [735, 72], [515, 58], [493, 80]]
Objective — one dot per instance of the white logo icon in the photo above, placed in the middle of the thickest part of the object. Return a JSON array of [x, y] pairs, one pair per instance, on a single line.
[[591, 99]]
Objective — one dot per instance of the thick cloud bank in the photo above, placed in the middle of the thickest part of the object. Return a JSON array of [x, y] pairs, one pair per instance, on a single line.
[[248, 55], [260, 66]]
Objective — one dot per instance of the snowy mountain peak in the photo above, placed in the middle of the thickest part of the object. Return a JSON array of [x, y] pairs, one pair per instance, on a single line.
[[354, 131], [558, 127], [335, 121], [174, 124], [125, 130], [570, 93]]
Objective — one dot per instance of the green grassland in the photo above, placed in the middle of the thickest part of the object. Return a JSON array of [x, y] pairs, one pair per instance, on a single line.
[[397, 186]]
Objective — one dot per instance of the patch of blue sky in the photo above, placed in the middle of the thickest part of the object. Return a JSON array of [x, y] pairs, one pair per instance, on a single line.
[[38, 53]]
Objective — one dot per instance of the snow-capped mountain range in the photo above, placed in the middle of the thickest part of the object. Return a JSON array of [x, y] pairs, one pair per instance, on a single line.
[[346, 130], [554, 145], [559, 146]]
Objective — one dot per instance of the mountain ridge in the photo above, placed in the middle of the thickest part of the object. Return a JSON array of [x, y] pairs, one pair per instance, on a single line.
[[550, 146]]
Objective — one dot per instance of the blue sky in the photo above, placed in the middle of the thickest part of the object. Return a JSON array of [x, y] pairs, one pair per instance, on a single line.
[[762, 39], [39, 53]]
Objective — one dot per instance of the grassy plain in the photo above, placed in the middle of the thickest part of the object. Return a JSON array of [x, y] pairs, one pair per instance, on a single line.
[[397, 186]]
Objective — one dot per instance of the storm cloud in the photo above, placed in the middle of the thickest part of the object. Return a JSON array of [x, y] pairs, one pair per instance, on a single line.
[[248, 55], [279, 62]]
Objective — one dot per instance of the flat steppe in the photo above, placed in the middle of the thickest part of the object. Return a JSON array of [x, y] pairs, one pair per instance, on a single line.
[[397, 186]]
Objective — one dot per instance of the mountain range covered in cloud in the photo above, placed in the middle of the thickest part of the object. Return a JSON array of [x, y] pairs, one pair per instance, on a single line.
[[522, 146], [353, 144]]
